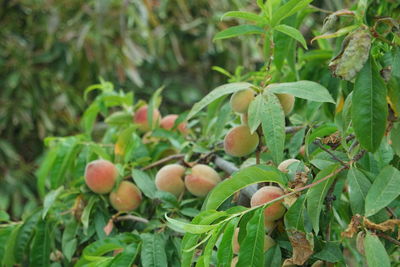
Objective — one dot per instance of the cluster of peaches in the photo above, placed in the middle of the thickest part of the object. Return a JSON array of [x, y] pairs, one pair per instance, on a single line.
[[239, 141], [101, 175]]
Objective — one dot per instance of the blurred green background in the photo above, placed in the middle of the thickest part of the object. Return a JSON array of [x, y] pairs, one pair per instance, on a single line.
[[50, 51]]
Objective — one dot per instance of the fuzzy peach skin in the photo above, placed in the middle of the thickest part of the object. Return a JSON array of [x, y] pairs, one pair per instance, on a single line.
[[170, 179], [241, 100], [274, 211], [142, 121], [201, 180], [287, 102], [127, 197], [283, 166], [240, 142], [100, 176], [168, 123], [268, 242]]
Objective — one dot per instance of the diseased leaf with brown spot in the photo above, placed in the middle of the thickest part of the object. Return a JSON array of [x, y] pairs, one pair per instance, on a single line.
[[303, 246], [388, 225]]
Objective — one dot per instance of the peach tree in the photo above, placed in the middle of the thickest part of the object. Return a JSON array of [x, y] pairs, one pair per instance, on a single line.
[[293, 164]]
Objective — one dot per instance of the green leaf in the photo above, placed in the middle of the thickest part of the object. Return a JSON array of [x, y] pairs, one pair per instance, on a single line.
[[294, 217], [237, 31], [4, 217], [244, 15], [224, 252], [9, 259], [369, 107], [5, 240], [89, 117], [95, 250], [273, 257], [316, 195], [44, 169], [251, 251], [153, 250], [330, 253], [87, 211], [255, 112], [145, 183], [336, 34], [188, 227], [189, 241], [127, 256], [292, 32], [25, 234], [241, 179], [396, 63], [209, 247], [40, 251], [395, 137], [49, 200], [383, 191], [303, 89], [288, 9], [217, 93], [375, 251], [273, 125], [358, 188]]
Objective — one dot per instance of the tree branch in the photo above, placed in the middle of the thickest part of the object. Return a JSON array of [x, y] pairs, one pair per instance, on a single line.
[[163, 160]]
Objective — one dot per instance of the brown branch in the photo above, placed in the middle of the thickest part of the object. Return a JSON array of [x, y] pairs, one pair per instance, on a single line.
[[230, 168], [389, 238], [318, 143], [163, 160], [131, 218]]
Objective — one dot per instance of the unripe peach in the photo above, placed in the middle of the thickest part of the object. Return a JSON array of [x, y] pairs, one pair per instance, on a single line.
[[240, 142], [201, 180], [241, 100], [287, 102], [168, 123], [170, 179], [127, 197], [265, 194], [100, 176], [268, 242], [269, 226], [142, 121], [283, 166]]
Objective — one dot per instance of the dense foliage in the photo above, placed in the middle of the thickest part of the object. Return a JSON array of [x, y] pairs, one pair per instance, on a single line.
[[295, 163]]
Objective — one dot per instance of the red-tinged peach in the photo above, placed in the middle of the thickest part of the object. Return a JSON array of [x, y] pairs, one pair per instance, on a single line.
[[126, 197], [241, 100], [170, 179], [287, 102], [142, 121], [268, 242], [168, 122], [284, 165], [100, 176], [265, 194], [269, 226], [240, 142], [201, 180]]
